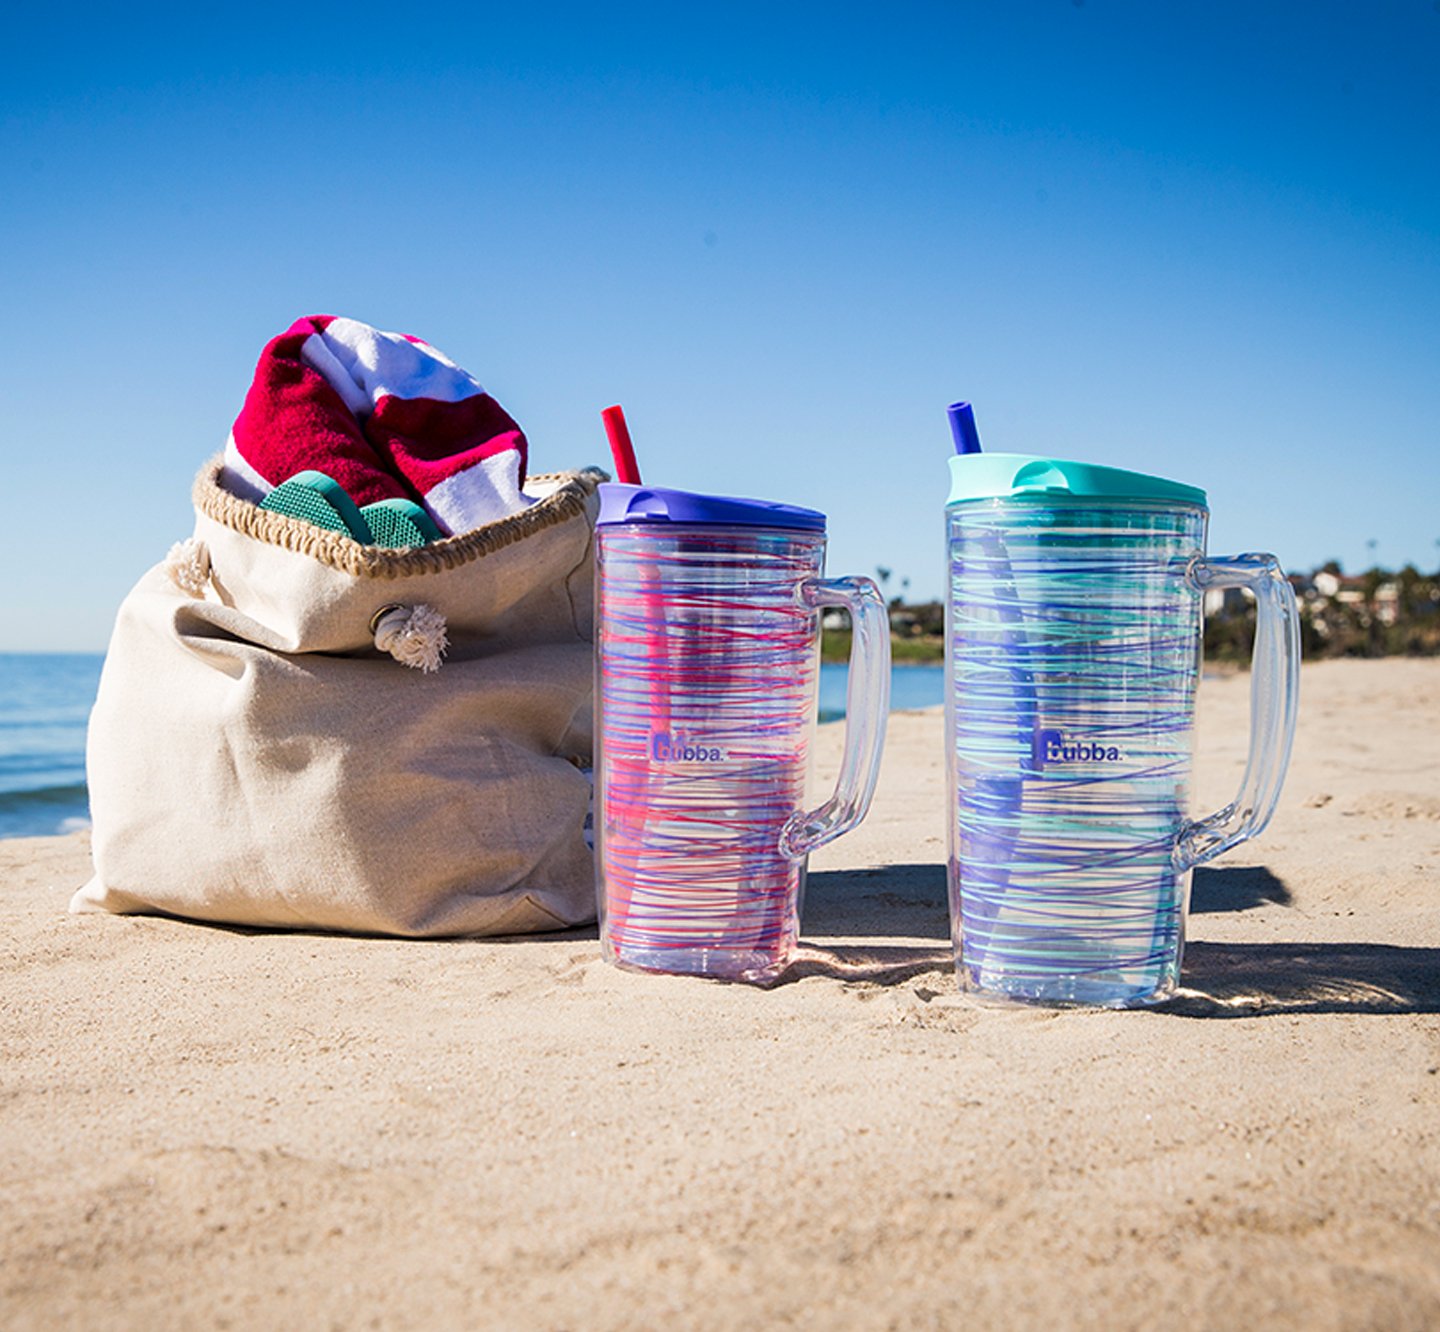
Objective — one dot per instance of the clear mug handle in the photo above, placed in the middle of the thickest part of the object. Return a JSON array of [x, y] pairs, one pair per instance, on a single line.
[[867, 704], [1274, 697]]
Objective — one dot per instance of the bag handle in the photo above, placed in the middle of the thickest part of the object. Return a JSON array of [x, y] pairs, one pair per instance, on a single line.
[[1274, 697], [867, 704]]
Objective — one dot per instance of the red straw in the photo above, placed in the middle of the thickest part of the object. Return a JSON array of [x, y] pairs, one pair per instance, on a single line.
[[621, 449]]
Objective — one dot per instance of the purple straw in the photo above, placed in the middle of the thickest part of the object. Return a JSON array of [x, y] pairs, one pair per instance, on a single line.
[[962, 427]]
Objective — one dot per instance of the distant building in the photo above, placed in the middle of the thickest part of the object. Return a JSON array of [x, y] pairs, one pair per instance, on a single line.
[[1387, 602]]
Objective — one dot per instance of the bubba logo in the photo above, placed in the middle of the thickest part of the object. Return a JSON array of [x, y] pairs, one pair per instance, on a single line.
[[665, 747], [1052, 747]]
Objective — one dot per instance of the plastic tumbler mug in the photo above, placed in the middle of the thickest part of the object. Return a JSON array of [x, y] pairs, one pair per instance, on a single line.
[[706, 679], [1074, 635]]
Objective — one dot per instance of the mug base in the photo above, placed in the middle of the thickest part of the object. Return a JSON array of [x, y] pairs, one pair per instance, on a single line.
[[1065, 991], [746, 965]]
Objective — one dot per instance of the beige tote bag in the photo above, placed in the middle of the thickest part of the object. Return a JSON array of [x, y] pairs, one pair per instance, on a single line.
[[299, 731]]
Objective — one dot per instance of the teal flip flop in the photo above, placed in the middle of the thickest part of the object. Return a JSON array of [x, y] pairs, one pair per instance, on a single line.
[[313, 497], [399, 522], [316, 498]]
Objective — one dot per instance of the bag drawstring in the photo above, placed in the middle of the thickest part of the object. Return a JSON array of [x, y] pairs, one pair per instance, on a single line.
[[413, 635], [188, 565]]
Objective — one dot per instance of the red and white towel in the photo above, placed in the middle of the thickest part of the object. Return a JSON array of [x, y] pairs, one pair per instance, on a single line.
[[384, 414]]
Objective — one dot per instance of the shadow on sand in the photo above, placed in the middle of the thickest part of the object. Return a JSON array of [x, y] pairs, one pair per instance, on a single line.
[[909, 901], [1229, 980], [1236, 888], [892, 902], [1256, 980]]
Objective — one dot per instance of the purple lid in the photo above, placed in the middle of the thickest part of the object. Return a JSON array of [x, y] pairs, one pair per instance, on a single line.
[[649, 504]]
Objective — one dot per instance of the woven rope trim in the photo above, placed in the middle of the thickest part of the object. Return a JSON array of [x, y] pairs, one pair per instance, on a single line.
[[346, 554]]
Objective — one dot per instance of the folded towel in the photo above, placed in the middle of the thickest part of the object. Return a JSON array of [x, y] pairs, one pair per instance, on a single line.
[[385, 415]]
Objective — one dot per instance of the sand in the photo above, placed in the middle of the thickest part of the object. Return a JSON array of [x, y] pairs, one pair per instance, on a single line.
[[203, 1127]]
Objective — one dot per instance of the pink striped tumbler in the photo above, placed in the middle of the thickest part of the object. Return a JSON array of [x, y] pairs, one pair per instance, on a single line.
[[706, 680]]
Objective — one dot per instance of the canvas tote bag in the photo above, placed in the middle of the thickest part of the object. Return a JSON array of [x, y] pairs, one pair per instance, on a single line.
[[279, 740]]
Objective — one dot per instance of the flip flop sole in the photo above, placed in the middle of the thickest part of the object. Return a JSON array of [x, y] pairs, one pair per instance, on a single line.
[[313, 497], [399, 522]]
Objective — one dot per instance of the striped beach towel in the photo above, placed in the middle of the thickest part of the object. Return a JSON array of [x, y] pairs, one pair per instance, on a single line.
[[385, 415]]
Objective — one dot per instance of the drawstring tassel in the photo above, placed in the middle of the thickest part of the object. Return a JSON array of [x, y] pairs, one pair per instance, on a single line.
[[188, 565], [413, 635]]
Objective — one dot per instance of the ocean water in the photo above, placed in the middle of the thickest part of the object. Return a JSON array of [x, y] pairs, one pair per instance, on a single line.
[[45, 703], [910, 687]]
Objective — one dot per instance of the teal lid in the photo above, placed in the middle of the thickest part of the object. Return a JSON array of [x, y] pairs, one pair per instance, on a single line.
[[1004, 475]]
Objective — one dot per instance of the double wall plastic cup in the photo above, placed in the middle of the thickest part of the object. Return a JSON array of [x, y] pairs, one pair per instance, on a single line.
[[1074, 621], [706, 685]]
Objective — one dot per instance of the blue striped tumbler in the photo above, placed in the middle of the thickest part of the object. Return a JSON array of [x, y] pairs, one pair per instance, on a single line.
[[1074, 619]]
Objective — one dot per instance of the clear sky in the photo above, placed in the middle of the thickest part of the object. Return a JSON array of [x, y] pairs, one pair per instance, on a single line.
[[1201, 240]]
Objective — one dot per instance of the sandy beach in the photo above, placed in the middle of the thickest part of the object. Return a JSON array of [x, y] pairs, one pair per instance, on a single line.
[[204, 1127]]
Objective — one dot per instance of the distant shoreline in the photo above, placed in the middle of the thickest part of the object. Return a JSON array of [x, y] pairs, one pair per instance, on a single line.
[[925, 650]]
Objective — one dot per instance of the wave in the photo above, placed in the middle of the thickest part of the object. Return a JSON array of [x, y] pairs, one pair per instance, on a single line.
[[74, 793], [72, 718], [44, 811]]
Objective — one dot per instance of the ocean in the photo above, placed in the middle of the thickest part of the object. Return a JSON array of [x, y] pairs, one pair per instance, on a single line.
[[910, 687], [45, 702]]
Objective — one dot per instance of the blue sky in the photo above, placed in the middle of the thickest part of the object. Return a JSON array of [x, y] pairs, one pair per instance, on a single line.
[[1199, 240]]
